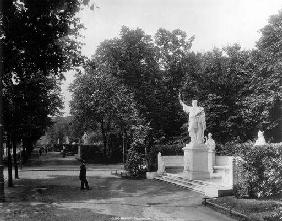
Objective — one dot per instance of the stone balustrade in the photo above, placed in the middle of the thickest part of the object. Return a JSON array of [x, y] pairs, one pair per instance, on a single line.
[[169, 162], [224, 167]]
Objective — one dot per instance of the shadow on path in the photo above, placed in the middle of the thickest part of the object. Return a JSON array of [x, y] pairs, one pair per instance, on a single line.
[[56, 195]]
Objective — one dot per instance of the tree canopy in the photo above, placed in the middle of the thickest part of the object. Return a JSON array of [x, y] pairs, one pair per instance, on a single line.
[[239, 89], [39, 44]]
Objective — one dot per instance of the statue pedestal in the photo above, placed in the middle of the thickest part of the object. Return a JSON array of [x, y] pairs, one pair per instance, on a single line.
[[196, 161], [211, 160]]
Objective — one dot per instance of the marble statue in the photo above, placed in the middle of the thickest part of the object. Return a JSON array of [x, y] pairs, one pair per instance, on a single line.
[[85, 138], [67, 140], [210, 142], [161, 164], [260, 140], [197, 122]]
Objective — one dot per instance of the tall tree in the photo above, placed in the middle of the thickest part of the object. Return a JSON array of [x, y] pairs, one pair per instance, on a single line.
[[39, 42], [39, 45], [218, 79], [132, 59], [152, 71], [101, 101], [173, 59], [266, 99]]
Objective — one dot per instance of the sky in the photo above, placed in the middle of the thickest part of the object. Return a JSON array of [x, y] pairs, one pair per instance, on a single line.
[[215, 23]]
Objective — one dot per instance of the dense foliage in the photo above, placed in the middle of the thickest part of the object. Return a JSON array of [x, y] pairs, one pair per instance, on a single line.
[[135, 163], [101, 102], [38, 44], [129, 89], [60, 130], [94, 154], [259, 171]]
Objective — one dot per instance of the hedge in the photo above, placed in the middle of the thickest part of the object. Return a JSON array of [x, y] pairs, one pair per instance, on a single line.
[[92, 153], [73, 148], [233, 149], [258, 170]]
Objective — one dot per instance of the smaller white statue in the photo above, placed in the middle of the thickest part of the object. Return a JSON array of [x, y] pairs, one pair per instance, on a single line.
[[161, 164], [260, 140], [67, 140], [85, 138], [210, 142]]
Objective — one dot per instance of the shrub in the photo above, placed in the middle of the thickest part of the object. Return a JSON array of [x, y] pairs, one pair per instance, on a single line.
[[135, 163], [233, 148], [260, 172], [276, 216]]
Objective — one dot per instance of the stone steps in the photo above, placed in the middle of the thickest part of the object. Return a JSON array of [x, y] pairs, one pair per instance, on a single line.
[[209, 188], [189, 185]]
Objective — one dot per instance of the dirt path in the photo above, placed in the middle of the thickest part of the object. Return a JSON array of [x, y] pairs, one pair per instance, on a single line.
[[50, 191]]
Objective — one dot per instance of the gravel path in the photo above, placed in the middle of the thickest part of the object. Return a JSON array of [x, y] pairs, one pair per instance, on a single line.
[[50, 191]]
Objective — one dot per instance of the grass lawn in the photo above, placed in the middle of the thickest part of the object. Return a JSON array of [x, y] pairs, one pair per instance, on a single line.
[[256, 209]]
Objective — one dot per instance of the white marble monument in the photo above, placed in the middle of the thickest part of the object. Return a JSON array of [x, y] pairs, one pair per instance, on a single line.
[[260, 140], [161, 164], [67, 140], [85, 138], [211, 152], [196, 152]]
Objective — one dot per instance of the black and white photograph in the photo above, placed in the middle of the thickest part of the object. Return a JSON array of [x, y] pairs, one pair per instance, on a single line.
[[140, 110]]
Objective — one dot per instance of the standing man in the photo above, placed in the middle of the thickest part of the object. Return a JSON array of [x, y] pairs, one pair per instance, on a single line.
[[82, 176]]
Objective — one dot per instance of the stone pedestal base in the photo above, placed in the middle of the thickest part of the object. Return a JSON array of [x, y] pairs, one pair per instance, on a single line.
[[211, 160], [196, 165]]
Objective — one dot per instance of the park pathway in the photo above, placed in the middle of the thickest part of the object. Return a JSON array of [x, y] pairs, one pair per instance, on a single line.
[[49, 190]]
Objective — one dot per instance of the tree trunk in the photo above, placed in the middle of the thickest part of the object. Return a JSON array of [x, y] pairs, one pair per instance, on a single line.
[[23, 155], [123, 146], [10, 168], [104, 138], [24, 151], [27, 146], [15, 158]]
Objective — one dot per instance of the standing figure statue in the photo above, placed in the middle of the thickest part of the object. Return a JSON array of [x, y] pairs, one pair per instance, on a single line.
[[67, 140], [210, 142], [260, 140], [197, 122], [85, 138]]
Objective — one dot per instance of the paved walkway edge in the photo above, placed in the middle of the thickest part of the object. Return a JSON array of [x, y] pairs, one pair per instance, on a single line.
[[227, 211]]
